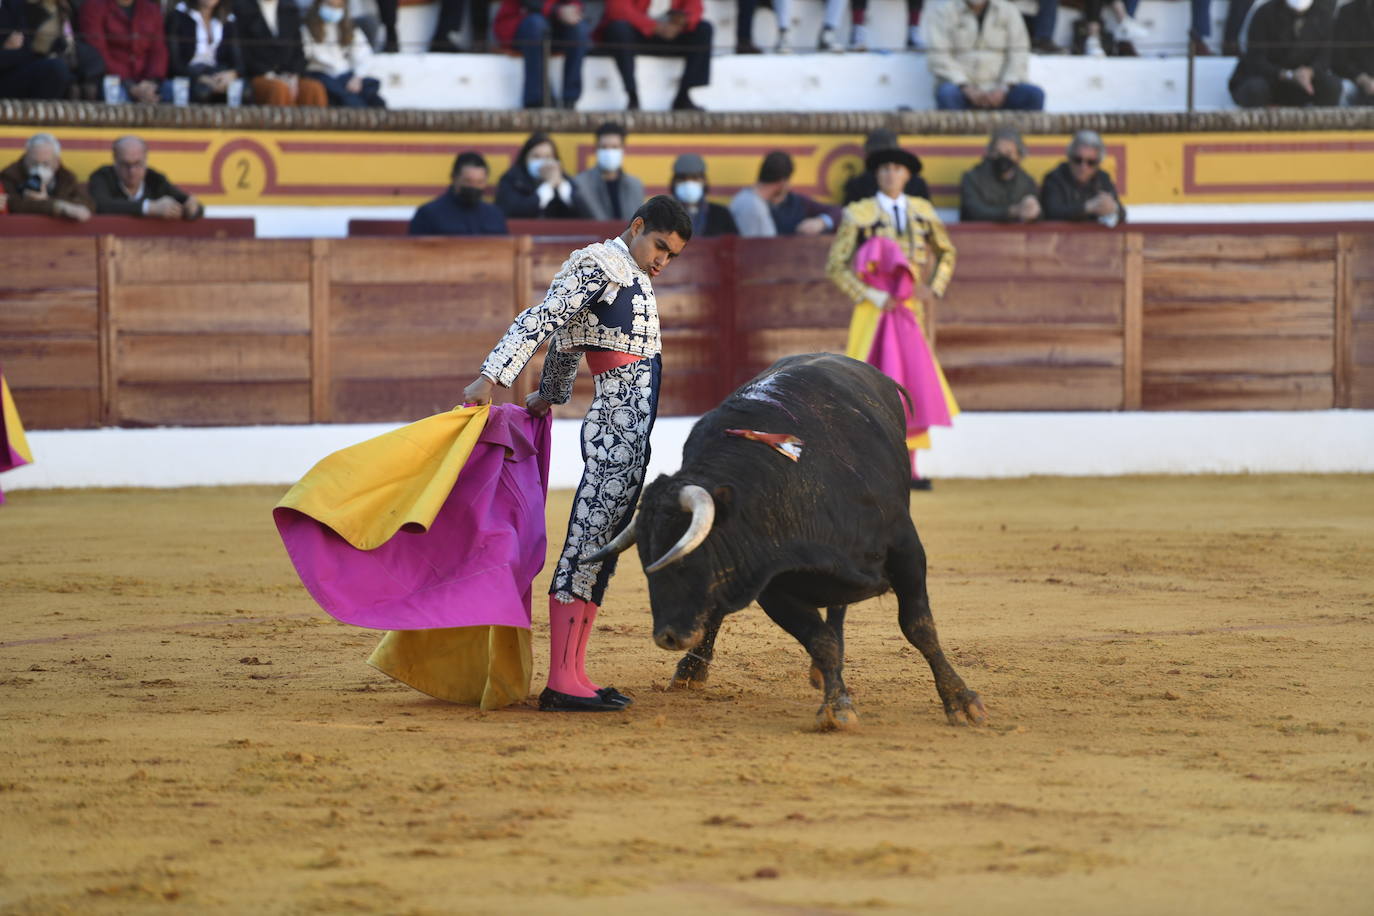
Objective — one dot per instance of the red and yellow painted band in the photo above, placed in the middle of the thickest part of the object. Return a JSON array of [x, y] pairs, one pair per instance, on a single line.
[[303, 168]]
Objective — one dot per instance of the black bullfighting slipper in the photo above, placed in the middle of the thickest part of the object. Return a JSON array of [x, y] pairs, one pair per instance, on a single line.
[[552, 699], [611, 695]]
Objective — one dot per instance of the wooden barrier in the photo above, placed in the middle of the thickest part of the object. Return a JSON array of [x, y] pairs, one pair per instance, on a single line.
[[136, 331], [28, 225]]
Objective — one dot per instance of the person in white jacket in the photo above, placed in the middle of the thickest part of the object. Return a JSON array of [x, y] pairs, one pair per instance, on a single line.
[[337, 55], [979, 53]]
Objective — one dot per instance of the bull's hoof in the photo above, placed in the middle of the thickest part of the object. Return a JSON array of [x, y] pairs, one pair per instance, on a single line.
[[966, 709], [687, 683], [691, 674], [816, 678], [837, 716]]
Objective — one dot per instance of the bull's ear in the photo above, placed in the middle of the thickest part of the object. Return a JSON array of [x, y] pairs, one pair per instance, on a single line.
[[724, 498]]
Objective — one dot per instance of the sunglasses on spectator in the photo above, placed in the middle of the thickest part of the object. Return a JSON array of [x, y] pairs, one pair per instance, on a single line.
[[1084, 160]]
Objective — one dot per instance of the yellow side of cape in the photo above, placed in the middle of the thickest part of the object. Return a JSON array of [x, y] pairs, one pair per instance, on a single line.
[[366, 492], [488, 667], [9, 417]]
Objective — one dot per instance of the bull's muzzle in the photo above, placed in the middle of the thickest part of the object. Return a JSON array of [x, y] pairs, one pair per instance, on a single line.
[[670, 639]]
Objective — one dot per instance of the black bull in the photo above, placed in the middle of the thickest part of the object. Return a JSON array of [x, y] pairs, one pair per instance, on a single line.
[[741, 522]]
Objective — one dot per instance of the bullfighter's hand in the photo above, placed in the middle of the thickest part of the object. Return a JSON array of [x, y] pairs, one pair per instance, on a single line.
[[536, 405], [478, 392]]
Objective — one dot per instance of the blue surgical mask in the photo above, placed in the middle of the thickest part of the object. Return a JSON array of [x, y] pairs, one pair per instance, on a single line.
[[689, 192], [536, 166], [608, 160], [332, 14]]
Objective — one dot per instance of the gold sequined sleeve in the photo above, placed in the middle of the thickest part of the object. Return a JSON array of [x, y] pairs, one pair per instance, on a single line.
[[839, 265], [941, 247]]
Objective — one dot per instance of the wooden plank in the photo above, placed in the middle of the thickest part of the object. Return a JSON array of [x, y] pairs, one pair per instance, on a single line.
[[1362, 388], [1299, 317], [400, 400], [1132, 322], [321, 340], [47, 263], [1033, 253], [1361, 343], [260, 308], [58, 408], [204, 358], [48, 312], [764, 260], [763, 348], [1036, 387], [469, 308], [214, 404], [1342, 349], [405, 355], [1188, 247], [33, 362], [1285, 280], [1260, 355], [1237, 392], [970, 301], [520, 281], [798, 303], [243, 261], [108, 250], [977, 345], [437, 260], [1362, 256], [1361, 295]]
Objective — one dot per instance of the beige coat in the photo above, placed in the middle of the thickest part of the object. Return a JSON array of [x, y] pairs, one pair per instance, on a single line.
[[960, 53]]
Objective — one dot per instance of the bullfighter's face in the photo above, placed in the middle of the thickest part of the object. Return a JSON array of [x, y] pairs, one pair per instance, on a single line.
[[652, 250]]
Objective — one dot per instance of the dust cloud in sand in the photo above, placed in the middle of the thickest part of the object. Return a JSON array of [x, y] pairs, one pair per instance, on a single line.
[[1177, 672]]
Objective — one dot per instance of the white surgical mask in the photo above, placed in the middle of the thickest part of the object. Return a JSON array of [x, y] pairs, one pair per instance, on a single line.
[[44, 173], [332, 14], [1299, 6], [608, 160], [536, 166], [689, 192]]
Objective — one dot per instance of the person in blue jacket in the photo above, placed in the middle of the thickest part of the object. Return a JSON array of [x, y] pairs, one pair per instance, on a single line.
[[461, 210]]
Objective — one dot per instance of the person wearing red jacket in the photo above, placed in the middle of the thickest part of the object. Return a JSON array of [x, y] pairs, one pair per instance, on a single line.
[[630, 26], [128, 36], [526, 25]]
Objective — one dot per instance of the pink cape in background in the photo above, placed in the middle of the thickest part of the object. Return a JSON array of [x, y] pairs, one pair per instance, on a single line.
[[473, 565], [14, 447]]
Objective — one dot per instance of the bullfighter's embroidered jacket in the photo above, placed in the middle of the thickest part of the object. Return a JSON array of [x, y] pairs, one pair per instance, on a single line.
[[923, 238], [599, 300]]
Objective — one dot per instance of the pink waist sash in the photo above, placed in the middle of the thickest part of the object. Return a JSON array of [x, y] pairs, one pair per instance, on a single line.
[[600, 361]]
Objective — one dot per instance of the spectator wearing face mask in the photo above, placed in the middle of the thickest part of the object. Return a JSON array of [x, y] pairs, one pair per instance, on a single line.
[[535, 186], [1287, 57], [460, 210], [605, 190], [770, 207], [38, 183], [689, 186], [998, 189], [337, 56]]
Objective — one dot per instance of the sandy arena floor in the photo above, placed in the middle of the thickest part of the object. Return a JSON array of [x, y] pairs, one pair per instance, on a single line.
[[1179, 674]]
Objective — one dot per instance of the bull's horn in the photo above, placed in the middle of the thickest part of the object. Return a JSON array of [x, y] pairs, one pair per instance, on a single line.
[[618, 544], [697, 501]]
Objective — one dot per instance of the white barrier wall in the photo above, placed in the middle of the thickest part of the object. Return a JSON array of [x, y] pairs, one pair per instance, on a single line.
[[980, 445]]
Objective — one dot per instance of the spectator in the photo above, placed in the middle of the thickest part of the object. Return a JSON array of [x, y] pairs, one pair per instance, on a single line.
[[744, 25], [525, 26], [689, 186], [203, 46], [606, 192], [535, 186], [979, 54], [1128, 30], [450, 21], [337, 56], [771, 208], [1354, 59], [52, 25], [858, 13], [1041, 25], [130, 188], [127, 34], [273, 58], [460, 210], [38, 182], [830, 27], [627, 29], [998, 189], [1287, 57], [865, 184], [1079, 190], [24, 73]]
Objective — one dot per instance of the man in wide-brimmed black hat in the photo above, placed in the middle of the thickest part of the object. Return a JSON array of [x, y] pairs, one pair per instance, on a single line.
[[865, 184]]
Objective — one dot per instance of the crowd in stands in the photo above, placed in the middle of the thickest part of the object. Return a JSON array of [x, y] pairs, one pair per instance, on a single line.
[[38, 183], [536, 186], [315, 52]]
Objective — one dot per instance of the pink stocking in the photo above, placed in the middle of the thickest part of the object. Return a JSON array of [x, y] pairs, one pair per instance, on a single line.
[[584, 633], [565, 664]]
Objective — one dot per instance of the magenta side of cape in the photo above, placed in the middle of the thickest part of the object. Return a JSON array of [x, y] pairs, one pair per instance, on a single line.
[[901, 352], [474, 566], [9, 455]]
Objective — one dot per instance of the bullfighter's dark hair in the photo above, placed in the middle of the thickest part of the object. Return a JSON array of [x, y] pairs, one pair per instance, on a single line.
[[467, 158], [665, 214]]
